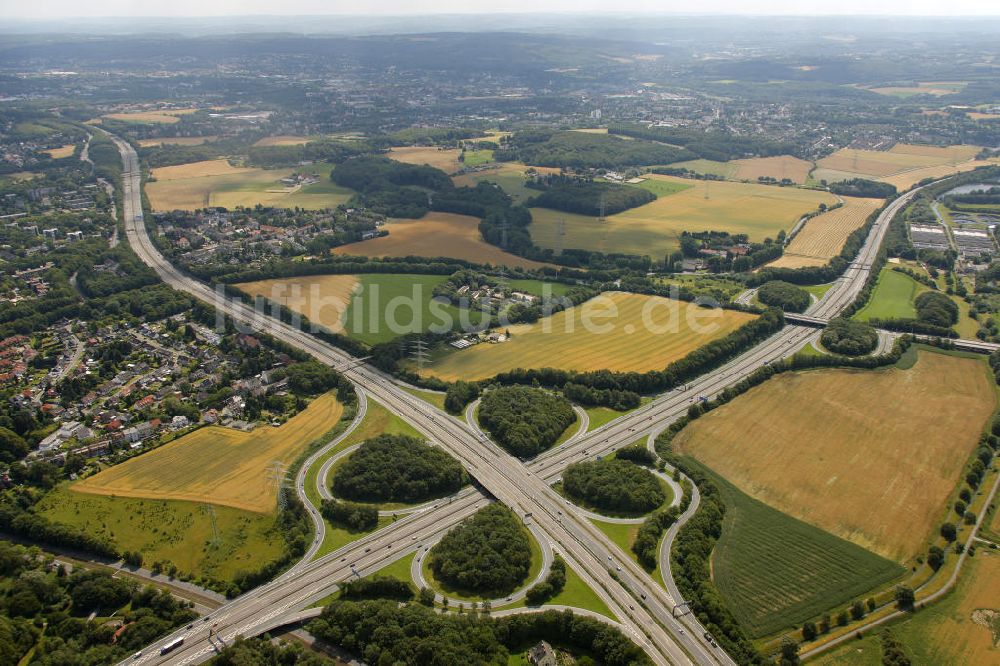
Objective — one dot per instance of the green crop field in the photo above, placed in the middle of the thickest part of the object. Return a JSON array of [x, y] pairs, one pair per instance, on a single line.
[[963, 628], [892, 298], [172, 531], [775, 571]]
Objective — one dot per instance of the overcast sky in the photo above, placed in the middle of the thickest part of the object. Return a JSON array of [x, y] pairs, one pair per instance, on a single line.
[[179, 8]]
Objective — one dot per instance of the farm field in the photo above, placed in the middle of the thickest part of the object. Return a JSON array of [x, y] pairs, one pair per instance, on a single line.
[[775, 571], [881, 476], [283, 140], [653, 229], [903, 165], [780, 167], [935, 88], [172, 531], [436, 235], [163, 117], [892, 298], [563, 341], [176, 141], [349, 304], [62, 151], [823, 236], [217, 183], [446, 159], [323, 299], [952, 632], [218, 465], [712, 167]]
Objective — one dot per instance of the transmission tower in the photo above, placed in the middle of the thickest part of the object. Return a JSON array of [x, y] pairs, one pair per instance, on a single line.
[[707, 180], [277, 476], [210, 510], [602, 218], [418, 353], [503, 234]]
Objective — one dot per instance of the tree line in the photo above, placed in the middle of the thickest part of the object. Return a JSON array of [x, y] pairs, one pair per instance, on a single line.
[[384, 632], [587, 197], [784, 295]]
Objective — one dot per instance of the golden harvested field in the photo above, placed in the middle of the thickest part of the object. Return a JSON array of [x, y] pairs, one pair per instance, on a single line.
[[823, 236], [217, 183], [904, 181], [61, 152], [978, 115], [653, 229], [903, 165], [869, 455], [167, 117], [436, 235], [446, 160], [780, 167], [176, 141], [218, 465], [283, 140], [323, 299], [616, 338]]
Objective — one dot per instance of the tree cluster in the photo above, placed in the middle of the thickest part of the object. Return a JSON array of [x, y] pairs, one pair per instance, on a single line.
[[551, 586], [784, 295], [637, 453], [862, 187], [647, 541], [488, 554], [397, 468], [586, 197], [614, 486], [383, 632], [460, 394], [849, 337], [936, 309], [355, 517], [594, 397], [525, 421]]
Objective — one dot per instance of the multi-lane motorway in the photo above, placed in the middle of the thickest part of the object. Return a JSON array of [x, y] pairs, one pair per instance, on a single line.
[[644, 609]]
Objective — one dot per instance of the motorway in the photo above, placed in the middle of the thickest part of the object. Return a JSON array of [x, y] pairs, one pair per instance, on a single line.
[[644, 609]]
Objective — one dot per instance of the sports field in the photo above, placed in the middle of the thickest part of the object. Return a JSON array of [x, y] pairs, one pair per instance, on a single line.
[[172, 531], [62, 151], [870, 456], [775, 571], [823, 236], [759, 211], [217, 183], [218, 465], [963, 628], [176, 141], [371, 308], [903, 165], [436, 235], [163, 117], [616, 338], [892, 298]]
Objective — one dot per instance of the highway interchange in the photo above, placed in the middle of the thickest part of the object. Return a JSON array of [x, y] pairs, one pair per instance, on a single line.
[[644, 609]]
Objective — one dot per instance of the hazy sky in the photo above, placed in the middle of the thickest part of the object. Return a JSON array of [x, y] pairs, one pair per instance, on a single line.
[[68, 8]]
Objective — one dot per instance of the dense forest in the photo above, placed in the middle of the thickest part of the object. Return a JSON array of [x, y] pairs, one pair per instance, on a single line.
[[397, 468], [488, 554], [580, 150], [383, 632], [587, 197], [613, 486], [525, 421], [717, 146]]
